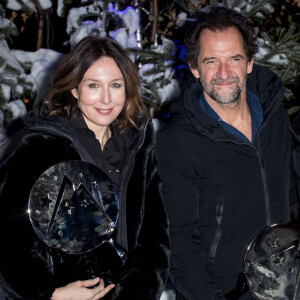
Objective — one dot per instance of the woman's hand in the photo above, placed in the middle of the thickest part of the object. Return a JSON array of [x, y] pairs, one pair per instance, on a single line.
[[79, 290]]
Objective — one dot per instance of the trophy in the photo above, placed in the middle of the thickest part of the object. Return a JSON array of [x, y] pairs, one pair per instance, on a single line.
[[272, 263], [271, 267], [73, 208]]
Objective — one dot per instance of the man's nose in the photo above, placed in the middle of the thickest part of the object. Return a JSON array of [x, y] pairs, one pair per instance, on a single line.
[[224, 70]]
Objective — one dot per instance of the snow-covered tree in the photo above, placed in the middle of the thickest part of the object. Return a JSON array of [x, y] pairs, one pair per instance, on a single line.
[[27, 75], [149, 29]]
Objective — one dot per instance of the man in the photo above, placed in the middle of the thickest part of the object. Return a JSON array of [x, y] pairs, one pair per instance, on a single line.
[[224, 158]]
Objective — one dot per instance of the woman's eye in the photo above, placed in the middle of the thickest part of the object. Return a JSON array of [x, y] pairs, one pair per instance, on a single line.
[[116, 85], [93, 85]]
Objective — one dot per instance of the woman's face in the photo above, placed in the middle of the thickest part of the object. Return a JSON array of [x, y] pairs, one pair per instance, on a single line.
[[101, 94]]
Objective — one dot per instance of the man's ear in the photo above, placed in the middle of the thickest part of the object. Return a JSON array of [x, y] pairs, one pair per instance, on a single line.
[[250, 66], [194, 71], [75, 93]]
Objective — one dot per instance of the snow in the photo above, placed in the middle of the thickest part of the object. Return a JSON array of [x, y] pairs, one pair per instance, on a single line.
[[15, 5], [42, 65], [8, 27], [268, 7], [162, 78], [43, 4], [248, 7], [259, 15], [129, 17], [181, 19], [279, 59], [125, 36], [132, 41], [166, 85], [120, 36], [76, 15], [60, 8], [17, 108], [8, 57], [24, 70], [3, 134], [167, 47], [87, 28], [27, 58], [262, 52], [6, 90], [168, 91]]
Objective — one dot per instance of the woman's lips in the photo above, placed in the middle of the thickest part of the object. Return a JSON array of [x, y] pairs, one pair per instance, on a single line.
[[104, 111]]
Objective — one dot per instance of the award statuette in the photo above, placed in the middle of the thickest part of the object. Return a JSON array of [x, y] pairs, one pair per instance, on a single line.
[[272, 263], [73, 208]]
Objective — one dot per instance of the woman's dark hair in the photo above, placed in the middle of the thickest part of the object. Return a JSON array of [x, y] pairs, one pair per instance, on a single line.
[[71, 70], [218, 18]]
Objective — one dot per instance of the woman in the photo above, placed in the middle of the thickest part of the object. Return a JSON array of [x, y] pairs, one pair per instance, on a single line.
[[92, 113]]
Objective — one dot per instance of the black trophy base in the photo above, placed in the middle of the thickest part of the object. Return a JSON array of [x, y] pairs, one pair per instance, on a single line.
[[103, 262]]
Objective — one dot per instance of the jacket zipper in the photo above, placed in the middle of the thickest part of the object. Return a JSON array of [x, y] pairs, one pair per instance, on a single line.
[[263, 175], [262, 170], [219, 217]]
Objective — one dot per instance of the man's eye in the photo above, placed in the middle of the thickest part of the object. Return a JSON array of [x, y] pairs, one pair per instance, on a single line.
[[211, 63], [235, 60]]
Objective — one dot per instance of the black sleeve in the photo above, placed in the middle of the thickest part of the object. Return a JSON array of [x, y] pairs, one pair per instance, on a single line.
[[25, 267]]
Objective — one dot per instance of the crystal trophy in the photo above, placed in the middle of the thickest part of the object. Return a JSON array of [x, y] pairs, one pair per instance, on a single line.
[[73, 208], [272, 263]]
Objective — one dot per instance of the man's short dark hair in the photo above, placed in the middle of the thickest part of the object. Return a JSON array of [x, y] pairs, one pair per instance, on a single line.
[[218, 18]]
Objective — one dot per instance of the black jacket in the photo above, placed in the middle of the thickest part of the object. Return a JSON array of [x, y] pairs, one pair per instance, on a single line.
[[220, 192], [296, 151], [24, 263]]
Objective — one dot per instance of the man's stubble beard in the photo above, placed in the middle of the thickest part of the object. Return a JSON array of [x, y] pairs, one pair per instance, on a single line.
[[234, 97]]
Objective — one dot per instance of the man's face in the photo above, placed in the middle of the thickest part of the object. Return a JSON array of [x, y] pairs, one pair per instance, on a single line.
[[222, 65]]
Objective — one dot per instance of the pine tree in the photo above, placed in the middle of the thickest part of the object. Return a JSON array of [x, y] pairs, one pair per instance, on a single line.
[[279, 47]]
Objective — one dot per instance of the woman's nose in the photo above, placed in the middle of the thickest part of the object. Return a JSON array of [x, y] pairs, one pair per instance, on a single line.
[[105, 97]]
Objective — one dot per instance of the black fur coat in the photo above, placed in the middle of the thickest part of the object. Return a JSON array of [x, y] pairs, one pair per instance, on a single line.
[[25, 269]]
